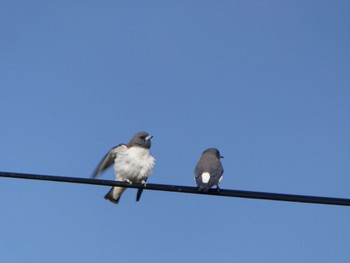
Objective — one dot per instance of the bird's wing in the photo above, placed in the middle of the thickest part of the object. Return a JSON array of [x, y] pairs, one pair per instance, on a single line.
[[198, 170], [108, 159], [139, 193], [216, 172]]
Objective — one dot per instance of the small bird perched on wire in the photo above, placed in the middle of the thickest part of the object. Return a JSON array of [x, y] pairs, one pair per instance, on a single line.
[[209, 170], [133, 163]]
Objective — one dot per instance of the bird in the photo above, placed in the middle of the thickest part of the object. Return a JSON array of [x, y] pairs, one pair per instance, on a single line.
[[133, 163], [209, 170]]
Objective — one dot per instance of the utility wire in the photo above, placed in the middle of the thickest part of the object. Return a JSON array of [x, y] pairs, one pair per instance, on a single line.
[[186, 189]]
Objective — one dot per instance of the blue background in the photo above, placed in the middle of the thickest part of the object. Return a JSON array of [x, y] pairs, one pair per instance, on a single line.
[[266, 82]]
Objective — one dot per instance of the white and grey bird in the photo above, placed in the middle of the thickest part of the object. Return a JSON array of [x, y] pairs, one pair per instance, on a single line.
[[133, 163], [209, 170]]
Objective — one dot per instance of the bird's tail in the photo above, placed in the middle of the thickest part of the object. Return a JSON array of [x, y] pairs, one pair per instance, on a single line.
[[114, 194]]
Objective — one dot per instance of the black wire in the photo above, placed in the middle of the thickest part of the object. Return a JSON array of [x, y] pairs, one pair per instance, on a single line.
[[187, 189]]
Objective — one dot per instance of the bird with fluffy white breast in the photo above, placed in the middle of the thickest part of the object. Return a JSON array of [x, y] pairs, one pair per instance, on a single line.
[[133, 163]]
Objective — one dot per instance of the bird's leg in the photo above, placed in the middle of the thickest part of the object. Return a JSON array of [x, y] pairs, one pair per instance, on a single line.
[[144, 182], [218, 189]]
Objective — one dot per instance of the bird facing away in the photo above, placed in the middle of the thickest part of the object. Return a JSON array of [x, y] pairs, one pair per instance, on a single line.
[[133, 163], [209, 170]]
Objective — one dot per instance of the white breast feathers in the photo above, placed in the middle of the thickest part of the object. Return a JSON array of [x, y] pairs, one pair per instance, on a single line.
[[133, 164]]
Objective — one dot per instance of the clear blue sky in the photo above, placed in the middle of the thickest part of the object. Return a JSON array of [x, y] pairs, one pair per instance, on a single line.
[[266, 82]]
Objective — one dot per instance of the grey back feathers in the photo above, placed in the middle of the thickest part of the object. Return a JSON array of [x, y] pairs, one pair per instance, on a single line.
[[209, 170]]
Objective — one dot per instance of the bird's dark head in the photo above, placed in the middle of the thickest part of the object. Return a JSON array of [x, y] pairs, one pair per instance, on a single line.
[[141, 139], [213, 151]]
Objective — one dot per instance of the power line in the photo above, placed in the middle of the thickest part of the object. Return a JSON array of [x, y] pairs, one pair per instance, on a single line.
[[186, 189]]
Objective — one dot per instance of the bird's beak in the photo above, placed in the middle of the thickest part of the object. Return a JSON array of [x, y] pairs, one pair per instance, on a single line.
[[148, 137], [221, 156]]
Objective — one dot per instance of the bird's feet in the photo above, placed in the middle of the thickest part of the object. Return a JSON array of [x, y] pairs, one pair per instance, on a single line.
[[128, 181], [217, 189], [144, 183]]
